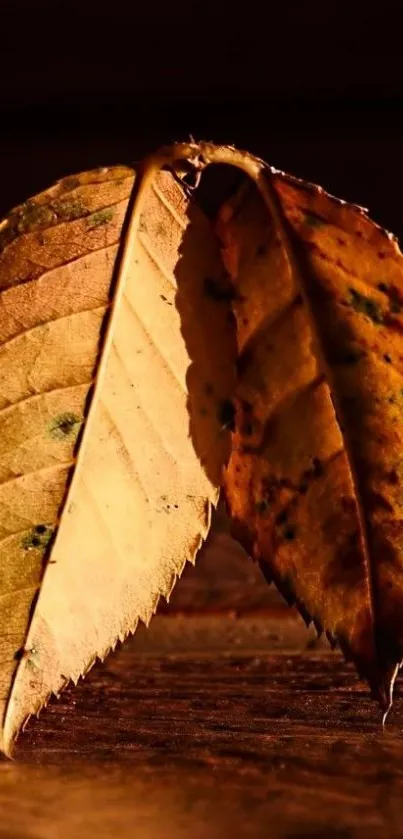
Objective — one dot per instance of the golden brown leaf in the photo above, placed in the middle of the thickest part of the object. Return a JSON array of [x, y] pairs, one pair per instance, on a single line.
[[112, 446]]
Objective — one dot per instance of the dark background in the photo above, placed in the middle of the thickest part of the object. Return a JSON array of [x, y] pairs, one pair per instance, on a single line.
[[314, 87]]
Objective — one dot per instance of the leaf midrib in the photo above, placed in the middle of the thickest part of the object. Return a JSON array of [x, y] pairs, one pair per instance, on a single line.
[[274, 205]]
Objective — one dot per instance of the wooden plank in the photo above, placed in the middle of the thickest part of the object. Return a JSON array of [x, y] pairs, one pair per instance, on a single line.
[[208, 727]]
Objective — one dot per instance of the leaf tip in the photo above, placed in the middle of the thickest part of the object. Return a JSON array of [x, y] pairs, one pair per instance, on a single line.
[[386, 690], [7, 742]]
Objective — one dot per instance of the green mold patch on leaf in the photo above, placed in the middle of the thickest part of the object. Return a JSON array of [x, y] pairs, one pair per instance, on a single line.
[[38, 538], [64, 426], [26, 219], [366, 306], [100, 217], [69, 210], [33, 216]]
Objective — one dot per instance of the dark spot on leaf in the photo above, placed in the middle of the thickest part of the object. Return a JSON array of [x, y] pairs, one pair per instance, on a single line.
[[395, 301], [220, 290], [387, 358], [64, 425], [262, 506], [341, 242], [290, 534], [312, 220], [351, 357], [142, 226], [160, 229], [208, 389], [71, 182], [303, 488], [393, 477], [20, 654], [244, 360], [247, 429], [366, 306], [40, 528], [317, 468], [381, 254], [282, 517], [38, 537], [262, 249], [246, 406], [226, 414]]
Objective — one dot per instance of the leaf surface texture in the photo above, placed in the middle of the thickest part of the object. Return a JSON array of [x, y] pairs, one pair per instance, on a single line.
[[112, 446]]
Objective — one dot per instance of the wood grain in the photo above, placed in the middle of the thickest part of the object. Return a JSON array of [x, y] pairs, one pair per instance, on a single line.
[[209, 727]]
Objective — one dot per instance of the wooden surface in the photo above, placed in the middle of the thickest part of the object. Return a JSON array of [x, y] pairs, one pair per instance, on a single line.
[[209, 727], [222, 723]]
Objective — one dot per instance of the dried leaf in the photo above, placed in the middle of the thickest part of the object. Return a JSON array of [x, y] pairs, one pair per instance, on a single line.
[[113, 366], [314, 480], [118, 390]]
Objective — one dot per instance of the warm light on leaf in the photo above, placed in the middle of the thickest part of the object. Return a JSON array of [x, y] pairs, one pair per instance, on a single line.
[[111, 444], [142, 325]]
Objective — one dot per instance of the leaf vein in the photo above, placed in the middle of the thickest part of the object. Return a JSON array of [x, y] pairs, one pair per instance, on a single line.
[[58, 319]]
